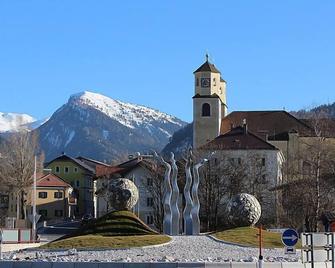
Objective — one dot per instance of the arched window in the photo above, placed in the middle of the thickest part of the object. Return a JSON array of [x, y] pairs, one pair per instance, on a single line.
[[206, 109]]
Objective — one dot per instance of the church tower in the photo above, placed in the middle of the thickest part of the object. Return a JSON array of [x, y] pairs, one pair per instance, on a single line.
[[209, 103]]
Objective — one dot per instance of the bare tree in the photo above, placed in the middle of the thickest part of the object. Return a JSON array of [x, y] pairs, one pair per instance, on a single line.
[[154, 186], [17, 166], [310, 177]]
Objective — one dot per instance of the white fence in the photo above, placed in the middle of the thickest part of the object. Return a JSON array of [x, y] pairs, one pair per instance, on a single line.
[[23, 264]]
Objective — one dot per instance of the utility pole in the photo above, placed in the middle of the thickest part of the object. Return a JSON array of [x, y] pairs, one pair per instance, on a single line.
[[260, 257], [34, 205]]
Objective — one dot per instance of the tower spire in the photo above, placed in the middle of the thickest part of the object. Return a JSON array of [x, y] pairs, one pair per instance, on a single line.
[[207, 56]]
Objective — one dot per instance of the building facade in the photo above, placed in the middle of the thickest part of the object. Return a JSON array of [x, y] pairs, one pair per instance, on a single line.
[[54, 199], [81, 178]]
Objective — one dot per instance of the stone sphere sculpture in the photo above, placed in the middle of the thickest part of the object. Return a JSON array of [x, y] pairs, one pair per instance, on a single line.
[[243, 210], [122, 194]]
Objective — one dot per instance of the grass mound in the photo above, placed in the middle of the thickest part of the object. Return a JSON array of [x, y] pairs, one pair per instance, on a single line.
[[117, 229], [107, 242], [248, 236], [116, 223]]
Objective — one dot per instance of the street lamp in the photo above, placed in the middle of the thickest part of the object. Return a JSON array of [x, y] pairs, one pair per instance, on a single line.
[[35, 217]]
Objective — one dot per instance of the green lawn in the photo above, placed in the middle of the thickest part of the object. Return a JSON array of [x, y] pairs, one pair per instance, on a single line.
[[118, 229], [248, 236], [107, 242]]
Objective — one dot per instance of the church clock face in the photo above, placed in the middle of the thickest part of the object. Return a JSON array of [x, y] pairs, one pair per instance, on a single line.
[[205, 82]]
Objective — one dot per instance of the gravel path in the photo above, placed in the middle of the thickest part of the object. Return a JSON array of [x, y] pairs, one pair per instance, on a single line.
[[181, 249]]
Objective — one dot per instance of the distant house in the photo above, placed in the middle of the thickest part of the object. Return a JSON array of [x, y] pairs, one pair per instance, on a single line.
[[80, 176], [138, 170], [54, 199]]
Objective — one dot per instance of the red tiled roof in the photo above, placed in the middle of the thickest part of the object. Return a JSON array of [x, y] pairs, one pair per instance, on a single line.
[[51, 180], [238, 139], [266, 123], [107, 171]]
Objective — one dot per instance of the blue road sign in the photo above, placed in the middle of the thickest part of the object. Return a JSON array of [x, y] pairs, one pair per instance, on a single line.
[[290, 237]]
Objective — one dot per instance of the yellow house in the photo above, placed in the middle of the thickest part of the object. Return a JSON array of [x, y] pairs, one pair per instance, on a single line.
[[54, 199]]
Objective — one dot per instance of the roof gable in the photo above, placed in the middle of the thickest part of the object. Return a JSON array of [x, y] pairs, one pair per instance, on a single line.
[[51, 180], [64, 157]]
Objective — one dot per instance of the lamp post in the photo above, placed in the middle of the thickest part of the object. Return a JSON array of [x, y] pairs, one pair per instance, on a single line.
[[34, 205]]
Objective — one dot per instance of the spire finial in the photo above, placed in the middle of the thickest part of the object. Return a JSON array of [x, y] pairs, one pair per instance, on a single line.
[[207, 56]]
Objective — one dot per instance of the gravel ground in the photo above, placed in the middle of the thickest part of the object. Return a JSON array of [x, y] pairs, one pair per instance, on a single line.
[[180, 249]]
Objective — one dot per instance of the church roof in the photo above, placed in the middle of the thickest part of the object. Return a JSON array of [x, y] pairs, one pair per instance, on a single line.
[[207, 67], [272, 124], [238, 138]]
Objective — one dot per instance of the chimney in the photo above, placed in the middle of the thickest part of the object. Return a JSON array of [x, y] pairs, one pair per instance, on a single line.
[[245, 126]]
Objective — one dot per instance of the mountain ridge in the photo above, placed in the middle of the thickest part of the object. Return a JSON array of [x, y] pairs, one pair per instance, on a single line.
[[99, 127]]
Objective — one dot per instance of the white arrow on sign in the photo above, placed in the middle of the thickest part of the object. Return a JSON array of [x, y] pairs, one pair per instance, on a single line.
[[292, 237], [37, 217]]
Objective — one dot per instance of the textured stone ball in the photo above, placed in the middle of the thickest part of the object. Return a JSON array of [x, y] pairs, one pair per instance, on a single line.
[[243, 210], [122, 194]]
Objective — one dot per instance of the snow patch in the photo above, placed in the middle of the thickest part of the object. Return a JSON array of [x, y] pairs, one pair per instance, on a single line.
[[70, 137], [13, 122], [129, 115]]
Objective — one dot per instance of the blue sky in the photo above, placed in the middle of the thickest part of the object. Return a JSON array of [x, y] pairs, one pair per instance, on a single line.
[[273, 54]]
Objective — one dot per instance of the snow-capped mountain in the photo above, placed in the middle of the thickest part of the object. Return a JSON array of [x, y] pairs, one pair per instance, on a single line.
[[13, 122], [96, 126]]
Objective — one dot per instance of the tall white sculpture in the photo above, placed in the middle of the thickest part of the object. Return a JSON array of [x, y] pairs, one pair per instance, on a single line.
[[171, 221], [188, 221], [175, 197], [196, 204], [167, 190]]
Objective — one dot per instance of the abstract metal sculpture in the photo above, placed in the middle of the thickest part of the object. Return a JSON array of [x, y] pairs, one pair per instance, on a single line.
[[196, 204], [188, 221], [167, 190], [175, 197], [171, 220]]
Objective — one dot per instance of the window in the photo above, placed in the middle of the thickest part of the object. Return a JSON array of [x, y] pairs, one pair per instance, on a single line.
[[78, 183], [263, 178], [197, 82], [58, 213], [263, 162], [42, 195], [75, 169], [66, 170], [149, 182], [150, 202], [4, 199], [57, 169], [150, 219], [206, 110], [214, 81], [58, 195], [43, 212], [235, 161]]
